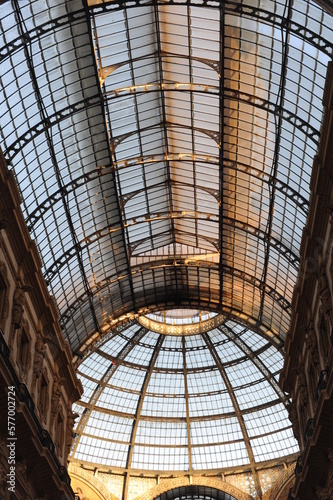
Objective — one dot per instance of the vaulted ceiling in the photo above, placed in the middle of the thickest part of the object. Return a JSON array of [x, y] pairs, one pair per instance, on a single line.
[[163, 151]]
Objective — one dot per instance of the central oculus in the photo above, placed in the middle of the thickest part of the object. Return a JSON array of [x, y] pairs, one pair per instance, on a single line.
[[181, 322]]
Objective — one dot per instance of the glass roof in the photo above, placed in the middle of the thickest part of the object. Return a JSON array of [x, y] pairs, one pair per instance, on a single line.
[[156, 402], [163, 151]]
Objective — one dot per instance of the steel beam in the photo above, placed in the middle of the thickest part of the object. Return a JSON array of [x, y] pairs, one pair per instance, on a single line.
[[99, 173], [52, 271], [253, 356], [113, 366], [136, 420], [49, 140], [232, 7], [278, 129], [238, 412]]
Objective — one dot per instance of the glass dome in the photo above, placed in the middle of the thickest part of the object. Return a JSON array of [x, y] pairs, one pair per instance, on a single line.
[[159, 402]]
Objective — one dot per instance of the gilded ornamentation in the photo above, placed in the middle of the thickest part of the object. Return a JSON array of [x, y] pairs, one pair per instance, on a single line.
[[200, 481], [286, 476], [80, 473]]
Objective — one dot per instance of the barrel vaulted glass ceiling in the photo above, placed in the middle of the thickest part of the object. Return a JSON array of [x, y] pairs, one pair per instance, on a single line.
[[163, 151]]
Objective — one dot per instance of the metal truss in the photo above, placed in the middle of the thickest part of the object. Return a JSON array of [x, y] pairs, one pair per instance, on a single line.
[[47, 123], [278, 128], [39, 213], [181, 267], [216, 416], [52, 272], [232, 94], [255, 101], [41, 30], [111, 157], [49, 140]]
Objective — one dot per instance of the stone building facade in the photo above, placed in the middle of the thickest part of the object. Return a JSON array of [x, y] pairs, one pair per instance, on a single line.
[[38, 384], [307, 373]]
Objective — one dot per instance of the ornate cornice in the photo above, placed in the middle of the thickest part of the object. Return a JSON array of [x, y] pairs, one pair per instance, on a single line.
[[169, 484]]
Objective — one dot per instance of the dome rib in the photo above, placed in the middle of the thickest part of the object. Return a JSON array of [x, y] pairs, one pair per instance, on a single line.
[[227, 383], [112, 367], [136, 420]]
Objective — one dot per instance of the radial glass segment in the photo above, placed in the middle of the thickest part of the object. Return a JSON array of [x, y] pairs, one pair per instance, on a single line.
[[159, 402]]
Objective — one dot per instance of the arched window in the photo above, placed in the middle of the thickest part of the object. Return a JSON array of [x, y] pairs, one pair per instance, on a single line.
[[195, 492]]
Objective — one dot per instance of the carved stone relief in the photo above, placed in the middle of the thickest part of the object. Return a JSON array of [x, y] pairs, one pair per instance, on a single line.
[[293, 417], [302, 388], [56, 393], [69, 427], [18, 307], [312, 348], [24, 364], [4, 295], [324, 292], [40, 347]]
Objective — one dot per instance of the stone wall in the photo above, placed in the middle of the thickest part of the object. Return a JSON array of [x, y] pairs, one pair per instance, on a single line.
[[38, 383]]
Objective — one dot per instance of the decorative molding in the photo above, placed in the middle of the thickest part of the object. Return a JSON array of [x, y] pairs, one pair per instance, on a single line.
[[282, 481], [170, 484], [77, 472]]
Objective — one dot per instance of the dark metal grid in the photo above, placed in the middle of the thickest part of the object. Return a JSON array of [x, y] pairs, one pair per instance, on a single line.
[[241, 8]]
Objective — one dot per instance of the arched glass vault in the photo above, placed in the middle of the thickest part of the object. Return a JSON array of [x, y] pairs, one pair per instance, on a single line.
[[163, 151]]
